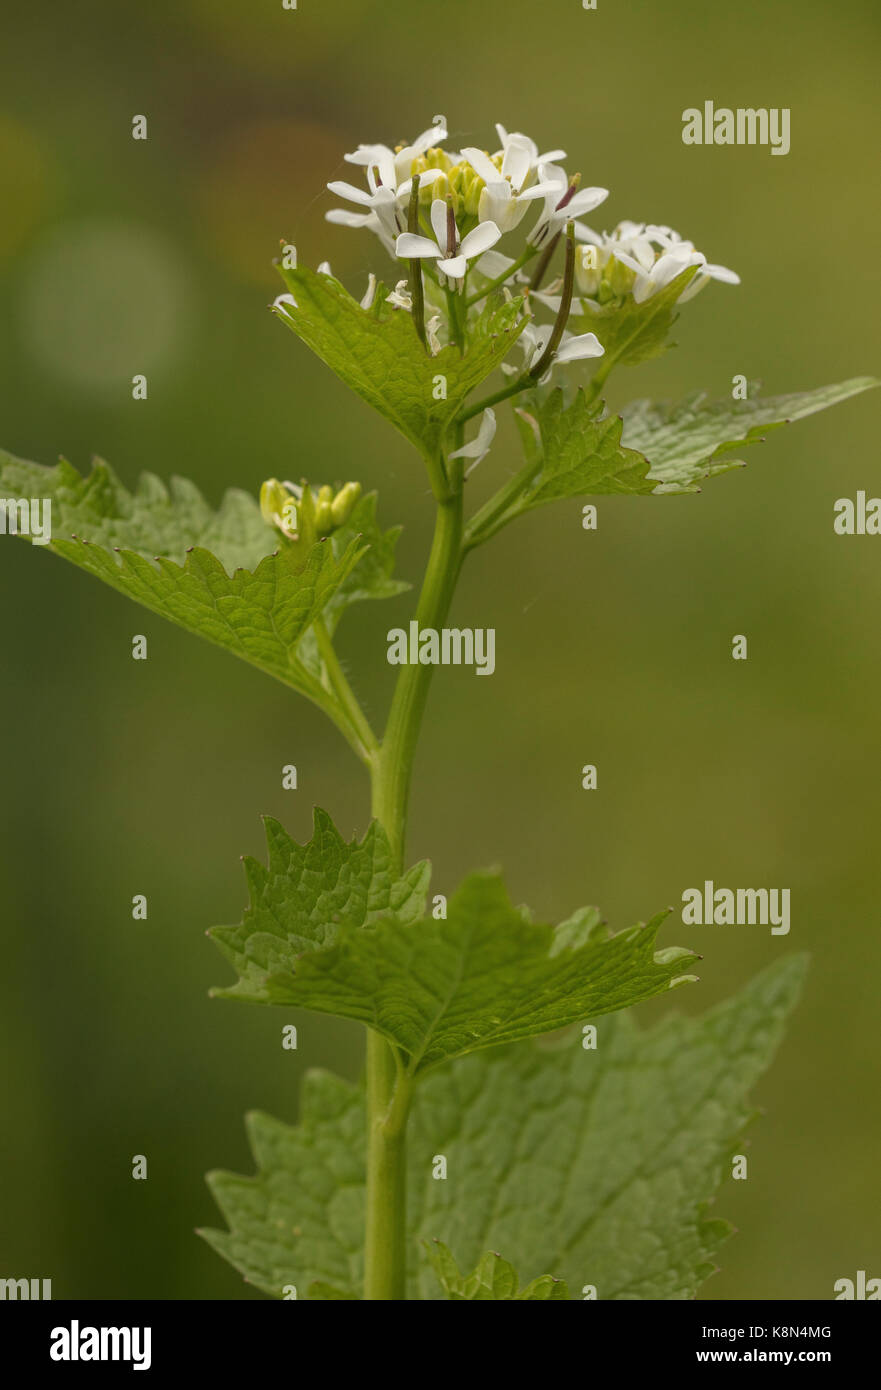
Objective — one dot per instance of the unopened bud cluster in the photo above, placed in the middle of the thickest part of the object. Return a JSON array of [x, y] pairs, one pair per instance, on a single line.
[[302, 513]]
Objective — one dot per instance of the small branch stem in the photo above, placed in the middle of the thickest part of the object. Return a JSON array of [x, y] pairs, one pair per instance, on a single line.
[[482, 524], [521, 261], [344, 692], [521, 383]]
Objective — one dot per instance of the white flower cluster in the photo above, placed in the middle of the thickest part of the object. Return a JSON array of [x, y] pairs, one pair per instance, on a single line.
[[441, 214], [469, 200]]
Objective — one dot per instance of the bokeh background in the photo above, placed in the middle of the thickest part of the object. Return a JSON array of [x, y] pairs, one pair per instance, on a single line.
[[121, 777]]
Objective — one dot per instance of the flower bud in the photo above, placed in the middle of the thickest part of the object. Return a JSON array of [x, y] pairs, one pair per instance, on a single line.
[[588, 271], [273, 496], [343, 503], [323, 518], [620, 277]]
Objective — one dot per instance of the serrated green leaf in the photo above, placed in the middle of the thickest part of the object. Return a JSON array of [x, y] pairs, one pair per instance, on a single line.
[[381, 358], [151, 520], [307, 894], [574, 451], [698, 438], [580, 455], [632, 333], [493, 1278], [483, 976], [598, 1166], [223, 574]]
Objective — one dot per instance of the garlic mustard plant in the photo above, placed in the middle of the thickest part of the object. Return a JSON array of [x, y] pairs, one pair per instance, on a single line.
[[586, 1162]]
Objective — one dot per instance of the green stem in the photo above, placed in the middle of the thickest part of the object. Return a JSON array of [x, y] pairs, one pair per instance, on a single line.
[[521, 261], [345, 694], [388, 1106], [598, 379], [482, 524], [388, 1086], [454, 315], [394, 768], [522, 383]]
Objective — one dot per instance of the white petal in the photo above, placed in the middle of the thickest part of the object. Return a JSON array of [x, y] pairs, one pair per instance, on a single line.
[[370, 292], [480, 239], [408, 245], [454, 268], [493, 264], [439, 223], [368, 154], [628, 260], [721, 272], [516, 163], [435, 135], [487, 431], [583, 233], [550, 156], [426, 179], [584, 200], [555, 174], [480, 444], [573, 349], [283, 301], [353, 194], [481, 164], [537, 190], [344, 218], [324, 268]]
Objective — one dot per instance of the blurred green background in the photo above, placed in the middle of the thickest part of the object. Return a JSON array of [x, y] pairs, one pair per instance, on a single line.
[[123, 777]]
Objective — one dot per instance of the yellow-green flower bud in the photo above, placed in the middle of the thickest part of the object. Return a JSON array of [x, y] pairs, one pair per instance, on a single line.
[[325, 493], [344, 501], [588, 270], [620, 277], [278, 507], [323, 518], [273, 496]]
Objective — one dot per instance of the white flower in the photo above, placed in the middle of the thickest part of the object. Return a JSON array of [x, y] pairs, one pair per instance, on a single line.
[[382, 213], [675, 255], [573, 347], [671, 242], [283, 300], [480, 444], [370, 292], [535, 159], [504, 199], [389, 182], [451, 255], [394, 166], [563, 203]]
